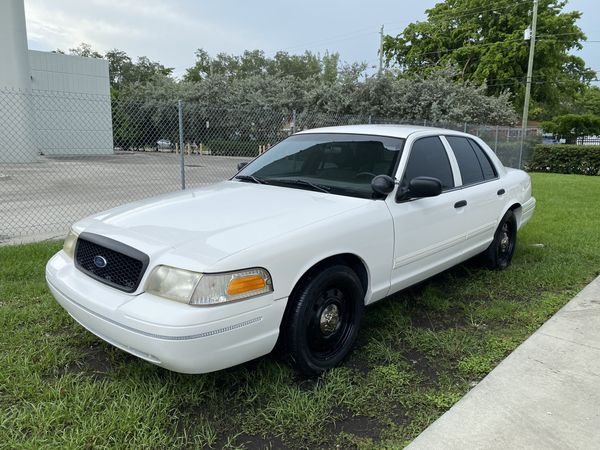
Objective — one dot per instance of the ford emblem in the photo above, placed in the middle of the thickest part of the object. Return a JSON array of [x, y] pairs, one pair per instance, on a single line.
[[100, 261]]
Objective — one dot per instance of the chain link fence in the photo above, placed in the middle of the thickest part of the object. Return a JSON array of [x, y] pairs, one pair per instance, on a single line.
[[64, 156]]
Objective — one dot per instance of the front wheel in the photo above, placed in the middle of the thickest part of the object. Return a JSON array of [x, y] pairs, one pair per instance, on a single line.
[[323, 319], [499, 254]]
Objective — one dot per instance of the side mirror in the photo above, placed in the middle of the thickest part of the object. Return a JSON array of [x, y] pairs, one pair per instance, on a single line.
[[420, 187], [241, 165], [383, 184]]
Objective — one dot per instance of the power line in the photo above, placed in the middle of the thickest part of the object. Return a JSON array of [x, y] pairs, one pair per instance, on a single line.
[[482, 9], [470, 46], [478, 12], [341, 37], [364, 31]]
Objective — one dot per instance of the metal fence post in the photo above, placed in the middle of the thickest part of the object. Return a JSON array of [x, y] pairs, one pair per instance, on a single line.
[[523, 132], [496, 140], [293, 121], [181, 149]]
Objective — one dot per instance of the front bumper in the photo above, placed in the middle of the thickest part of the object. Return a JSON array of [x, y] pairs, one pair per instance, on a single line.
[[175, 336]]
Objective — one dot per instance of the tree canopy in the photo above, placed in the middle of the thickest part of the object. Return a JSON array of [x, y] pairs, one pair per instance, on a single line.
[[121, 67], [573, 126], [485, 41], [306, 82], [255, 62]]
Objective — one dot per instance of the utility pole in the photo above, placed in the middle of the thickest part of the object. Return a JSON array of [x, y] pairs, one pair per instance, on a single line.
[[529, 67], [380, 51]]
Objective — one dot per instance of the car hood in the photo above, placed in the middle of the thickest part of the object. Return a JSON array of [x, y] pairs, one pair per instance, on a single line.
[[207, 224]]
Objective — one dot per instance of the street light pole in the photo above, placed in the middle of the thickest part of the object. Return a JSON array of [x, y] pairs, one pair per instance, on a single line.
[[529, 76]]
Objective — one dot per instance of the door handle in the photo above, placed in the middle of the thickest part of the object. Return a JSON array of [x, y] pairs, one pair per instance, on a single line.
[[501, 191], [460, 204]]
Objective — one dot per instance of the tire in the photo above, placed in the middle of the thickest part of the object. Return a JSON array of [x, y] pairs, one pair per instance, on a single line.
[[499, 254], [323, 319]]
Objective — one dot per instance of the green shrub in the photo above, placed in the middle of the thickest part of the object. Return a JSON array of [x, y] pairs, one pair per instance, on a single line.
[[579, 159], [224, 147]]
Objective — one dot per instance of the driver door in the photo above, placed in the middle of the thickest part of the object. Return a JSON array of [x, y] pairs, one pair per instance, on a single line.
[[429, 232]]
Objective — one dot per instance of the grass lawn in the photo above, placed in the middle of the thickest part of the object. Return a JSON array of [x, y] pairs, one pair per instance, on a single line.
[[419, 352]]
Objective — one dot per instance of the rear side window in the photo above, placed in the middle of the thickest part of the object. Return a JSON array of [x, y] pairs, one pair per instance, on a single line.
[[470, 168], [428, 158], [486, 165]]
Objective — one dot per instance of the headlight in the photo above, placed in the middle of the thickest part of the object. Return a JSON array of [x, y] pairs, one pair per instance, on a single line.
[[70, 242], [208, 289], [172, 283]]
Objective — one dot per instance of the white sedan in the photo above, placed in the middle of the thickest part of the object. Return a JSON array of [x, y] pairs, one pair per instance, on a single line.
[[292, 248]]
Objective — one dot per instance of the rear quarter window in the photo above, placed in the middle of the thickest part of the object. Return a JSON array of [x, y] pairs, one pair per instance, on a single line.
[[468, 162], [489, 171]]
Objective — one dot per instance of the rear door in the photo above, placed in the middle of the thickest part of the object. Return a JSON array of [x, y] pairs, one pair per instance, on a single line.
[[480, 189]]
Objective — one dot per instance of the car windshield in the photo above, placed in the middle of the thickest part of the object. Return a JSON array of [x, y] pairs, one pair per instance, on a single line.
[[342, 164]]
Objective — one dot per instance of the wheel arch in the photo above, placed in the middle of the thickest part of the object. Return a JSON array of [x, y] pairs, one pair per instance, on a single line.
[[355, 262], [516, 208]]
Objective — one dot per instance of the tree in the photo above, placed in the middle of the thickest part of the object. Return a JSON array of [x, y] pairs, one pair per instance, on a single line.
[[573, 126], [119, 64], [301, 66], [434, 97], [122, 70], [255, 62], [330, 64], [589, 100], [201, 68], [485, 40], [84, 50]]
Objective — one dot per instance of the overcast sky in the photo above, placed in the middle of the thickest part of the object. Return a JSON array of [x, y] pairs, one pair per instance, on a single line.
[[170, 31]]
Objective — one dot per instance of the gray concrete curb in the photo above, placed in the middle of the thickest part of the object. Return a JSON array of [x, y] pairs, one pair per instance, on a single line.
[[544, 395]]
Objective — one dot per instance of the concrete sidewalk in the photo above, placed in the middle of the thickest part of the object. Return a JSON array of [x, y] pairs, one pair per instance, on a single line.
[[544, 395]]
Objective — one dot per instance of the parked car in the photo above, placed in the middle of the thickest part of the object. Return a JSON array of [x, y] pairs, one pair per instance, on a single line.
[[290, 249], [164, 144]]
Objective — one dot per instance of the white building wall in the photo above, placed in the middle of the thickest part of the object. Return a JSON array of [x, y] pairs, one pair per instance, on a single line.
[[17, 137], [72, 111], [69, 73]]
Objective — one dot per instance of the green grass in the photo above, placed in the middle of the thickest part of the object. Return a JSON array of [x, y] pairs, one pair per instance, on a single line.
[[419, 352]]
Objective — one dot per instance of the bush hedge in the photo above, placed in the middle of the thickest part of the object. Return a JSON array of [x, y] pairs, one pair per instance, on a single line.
[[224, 147], [561, 158]]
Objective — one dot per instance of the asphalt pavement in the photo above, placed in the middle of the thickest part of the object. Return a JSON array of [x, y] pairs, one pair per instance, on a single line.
[[42, 199]]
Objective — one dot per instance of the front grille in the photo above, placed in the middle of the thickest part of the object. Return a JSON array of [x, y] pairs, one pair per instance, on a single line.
[[110, 262]]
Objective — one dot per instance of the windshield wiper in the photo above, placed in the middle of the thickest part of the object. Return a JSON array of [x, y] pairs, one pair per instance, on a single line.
[[250, 178], [313, 186]]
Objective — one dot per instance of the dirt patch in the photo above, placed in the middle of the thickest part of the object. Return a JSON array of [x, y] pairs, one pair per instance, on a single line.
[[358, 363], [94, 363], [251, 442], [361, 426], [421, 364], [452, 318]]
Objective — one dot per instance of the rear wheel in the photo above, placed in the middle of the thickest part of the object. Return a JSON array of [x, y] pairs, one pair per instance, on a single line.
[[499, 254], [323, 319]]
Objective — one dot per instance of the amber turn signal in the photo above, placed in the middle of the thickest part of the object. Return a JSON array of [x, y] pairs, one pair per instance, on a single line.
[[248, 283]]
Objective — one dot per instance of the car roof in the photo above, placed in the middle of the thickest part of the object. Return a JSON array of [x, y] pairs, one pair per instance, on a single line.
[[399, 131]]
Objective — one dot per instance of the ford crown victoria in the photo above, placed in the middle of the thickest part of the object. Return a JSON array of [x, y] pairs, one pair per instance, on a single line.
[[292, 248]]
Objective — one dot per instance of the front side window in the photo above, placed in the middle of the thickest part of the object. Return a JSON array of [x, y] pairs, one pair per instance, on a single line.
[[428, 158], [341, 164]]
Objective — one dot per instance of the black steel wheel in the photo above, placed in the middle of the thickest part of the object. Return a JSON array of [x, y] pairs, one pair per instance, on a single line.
[[323, 319], [499, 254]]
